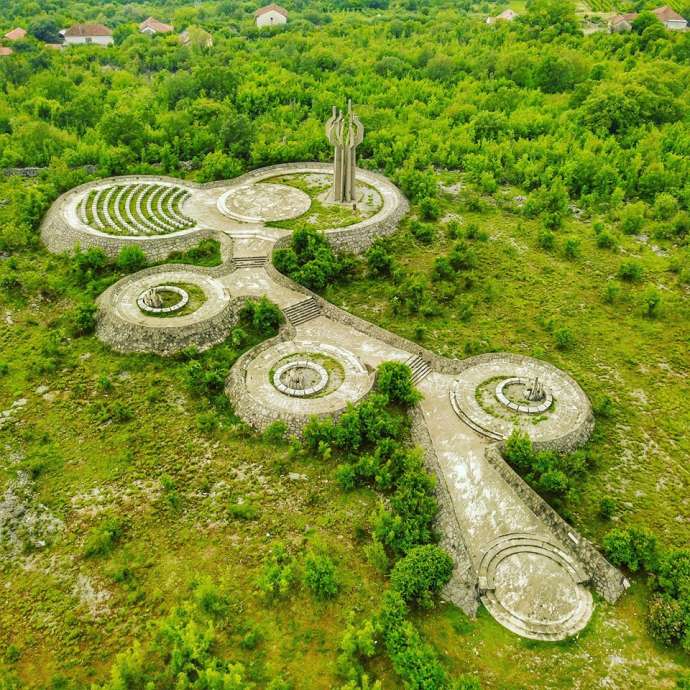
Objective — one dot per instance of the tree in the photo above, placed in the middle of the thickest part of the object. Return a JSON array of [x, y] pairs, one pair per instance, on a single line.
[[421, 574]]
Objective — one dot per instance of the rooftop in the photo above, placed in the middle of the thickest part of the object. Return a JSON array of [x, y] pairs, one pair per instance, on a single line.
[[88, 30], [271, 8], [16, 34], [155, 25]]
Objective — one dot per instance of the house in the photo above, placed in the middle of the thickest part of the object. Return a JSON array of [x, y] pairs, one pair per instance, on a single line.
[[81, 34], [5, 52], [622, 22], [670, 19], [152, 26], [505, 16], [271, 15], [15, 35], [196, 38]]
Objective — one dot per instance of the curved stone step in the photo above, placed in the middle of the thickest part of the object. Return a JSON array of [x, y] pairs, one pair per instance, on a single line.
[[469, 422]]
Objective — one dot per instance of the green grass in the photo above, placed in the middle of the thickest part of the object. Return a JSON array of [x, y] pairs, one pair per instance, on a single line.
[[320, 216]]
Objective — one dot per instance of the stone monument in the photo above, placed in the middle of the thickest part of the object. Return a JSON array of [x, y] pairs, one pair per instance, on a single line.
[[534, 390], [345, 134], [152, 299]]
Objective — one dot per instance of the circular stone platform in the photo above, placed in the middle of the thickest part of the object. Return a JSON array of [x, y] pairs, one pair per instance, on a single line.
[[561, 421], [257, 399], [534, 588], [301, 378], [263, 202], [125, 327]]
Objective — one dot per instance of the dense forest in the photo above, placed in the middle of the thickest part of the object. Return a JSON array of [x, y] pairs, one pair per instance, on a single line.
[[549, 175]]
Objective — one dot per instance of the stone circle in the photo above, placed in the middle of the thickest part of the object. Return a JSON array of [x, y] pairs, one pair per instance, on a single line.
[[313, 378], [263, 202], [180, 304], [521, 407], [547, 601], [562, 424]]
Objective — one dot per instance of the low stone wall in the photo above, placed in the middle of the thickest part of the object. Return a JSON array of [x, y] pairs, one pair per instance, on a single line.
[[461, 590], [608, 581], [162, 338]]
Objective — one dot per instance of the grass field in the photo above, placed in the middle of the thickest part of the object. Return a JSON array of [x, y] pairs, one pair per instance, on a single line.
[[109, 439]]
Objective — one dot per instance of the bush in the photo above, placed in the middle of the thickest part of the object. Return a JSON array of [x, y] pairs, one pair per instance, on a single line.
[[279, 573], [546, 239], [394, 380], [612, 292], [243, 511], [571, 248], [607, 507], [634, 548], [413, 659], [666, 619], [102, 539], [320, 576], [131, 259], [422, 232], [379, 261], [632, 218], [630, 271], [651, 301], [564, 338], [84, 319], [88, 265], [605, 240], [421, 574], [462, 257], [310, 260], [276, 432], [263, 316], [430, 208]]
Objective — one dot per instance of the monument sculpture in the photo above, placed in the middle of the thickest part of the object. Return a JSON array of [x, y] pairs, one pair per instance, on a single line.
[[152, 299], [535, 390], [345, 134]]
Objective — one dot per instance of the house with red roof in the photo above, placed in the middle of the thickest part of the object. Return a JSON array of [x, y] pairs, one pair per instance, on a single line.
[[271, 15], [670, 18], [5, 52], [152, 26], [17, 34], [88, 34]]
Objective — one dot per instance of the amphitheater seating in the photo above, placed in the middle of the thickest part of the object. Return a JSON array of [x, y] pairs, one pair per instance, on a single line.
[[135, 209]]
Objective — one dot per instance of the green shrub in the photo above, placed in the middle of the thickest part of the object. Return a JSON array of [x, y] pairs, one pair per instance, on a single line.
[[564, 338], [263, 316], [279, 575], [377, 556], [651, 301], [612, 292], [379, 261], [546, 239], [462, 256], [607, 507], [631, 271], [130, 259], [632, 218], [276, 432], [605, 240], [430, 208], [633, 548], [571, 248], [394, 380], [244, 510], [422, 232], [209, 600], [84, 319], [413, 659], [310, 260], [320, 575], [666, 619], [102, 539], [419, 576]]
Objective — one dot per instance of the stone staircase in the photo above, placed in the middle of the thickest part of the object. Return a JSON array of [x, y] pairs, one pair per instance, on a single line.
[[249, 261], [302, 312], [470, 422], [549, 630], [420, 368]]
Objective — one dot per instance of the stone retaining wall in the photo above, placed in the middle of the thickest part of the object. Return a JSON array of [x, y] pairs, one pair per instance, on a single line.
[[125, 336], [607, 580], [461, 590]]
